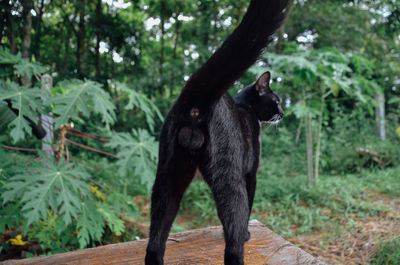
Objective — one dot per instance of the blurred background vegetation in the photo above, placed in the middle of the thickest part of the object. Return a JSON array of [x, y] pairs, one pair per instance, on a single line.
[[329, 178]]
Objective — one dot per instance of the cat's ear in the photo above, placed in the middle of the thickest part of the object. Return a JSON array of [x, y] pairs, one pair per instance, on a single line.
[[262, 84]]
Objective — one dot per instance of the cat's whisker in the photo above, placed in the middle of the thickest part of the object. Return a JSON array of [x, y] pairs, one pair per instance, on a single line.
[[273, 121]]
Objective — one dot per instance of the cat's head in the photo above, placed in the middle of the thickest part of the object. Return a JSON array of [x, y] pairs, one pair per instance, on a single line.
[[266, 103]]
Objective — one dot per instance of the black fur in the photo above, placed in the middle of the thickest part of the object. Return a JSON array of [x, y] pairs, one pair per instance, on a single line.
[[37, 128], [208, 130]]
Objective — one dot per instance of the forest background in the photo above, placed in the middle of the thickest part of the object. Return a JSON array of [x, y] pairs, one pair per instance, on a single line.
[[329, 178]]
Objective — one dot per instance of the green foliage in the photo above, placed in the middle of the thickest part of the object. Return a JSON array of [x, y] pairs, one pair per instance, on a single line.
[[45, 185], [389, 253], [85, 97], [339, 55], [138, 152], [50, 197], [10, 216], [28, 102], [52, 234], [21, 66], [90, 224], [327, 69], [141, 102]]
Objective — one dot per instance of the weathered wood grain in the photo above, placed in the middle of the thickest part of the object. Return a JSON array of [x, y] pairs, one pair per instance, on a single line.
[[201, 246]]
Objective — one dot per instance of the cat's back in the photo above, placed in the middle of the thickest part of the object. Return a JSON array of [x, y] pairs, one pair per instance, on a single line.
[[231, 123]]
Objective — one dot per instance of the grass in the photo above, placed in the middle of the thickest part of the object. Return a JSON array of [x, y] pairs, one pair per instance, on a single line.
[[334, 216], [388, 254]]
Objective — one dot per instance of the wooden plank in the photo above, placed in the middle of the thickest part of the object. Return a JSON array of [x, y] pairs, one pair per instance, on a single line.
[[201, 246]]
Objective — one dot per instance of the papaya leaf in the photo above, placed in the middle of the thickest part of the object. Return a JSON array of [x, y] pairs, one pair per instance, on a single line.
[[21, 66], [362, 65], [55, 186], [115, 224], [85, 97], [29, 68], [143, 103], [28, 103], [6, 57], [301, 110], [90, 224], [139, 152]]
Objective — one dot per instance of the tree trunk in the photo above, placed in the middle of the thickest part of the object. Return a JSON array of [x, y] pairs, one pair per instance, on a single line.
[[380, 115], [59, 48], [26, 40], [11, 35], [174, 55], [98, 30], [298, 132], [3, 18], [309, 144], [10, 26], [70, 29], [38, 30], [318, 138], [81, 38], [66, 50], [283, 26], [162, 24]]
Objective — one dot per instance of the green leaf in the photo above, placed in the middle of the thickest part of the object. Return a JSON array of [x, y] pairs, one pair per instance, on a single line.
[[29, 69], [10, 215], [6, 57], [139, 152], [55, 186], [302, 110], [84, 97], [362, 65], [28, 102], [140, 101], [115, 224], [90, 224]]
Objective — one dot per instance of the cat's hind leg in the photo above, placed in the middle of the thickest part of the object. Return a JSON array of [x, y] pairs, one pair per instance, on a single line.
[[231, 199], [251, 180], [173, 176]]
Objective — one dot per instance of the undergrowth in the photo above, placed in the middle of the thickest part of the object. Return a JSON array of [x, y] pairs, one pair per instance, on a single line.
[[290, 207], [389, 253]]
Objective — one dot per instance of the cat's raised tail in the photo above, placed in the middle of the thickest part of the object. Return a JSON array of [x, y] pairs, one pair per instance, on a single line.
[[239, 51]]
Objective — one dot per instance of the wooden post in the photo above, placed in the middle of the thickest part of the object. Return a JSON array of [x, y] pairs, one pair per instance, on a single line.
[[47, 120], [380, 115]]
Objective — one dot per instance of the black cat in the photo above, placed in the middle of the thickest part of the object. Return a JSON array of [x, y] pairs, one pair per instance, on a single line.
[[208, 130]]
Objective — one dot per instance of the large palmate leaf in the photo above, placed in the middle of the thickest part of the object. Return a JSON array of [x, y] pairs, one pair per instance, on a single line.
[[46, 184], [332, 69], [83, 97], [138, 152], [29, 68], [6, 57], [21, 66], [28, 102], [140, 101], [90, 224], [115, 224]]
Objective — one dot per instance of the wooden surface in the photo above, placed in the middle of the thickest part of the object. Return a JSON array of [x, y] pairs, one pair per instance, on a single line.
[[201, 246]]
